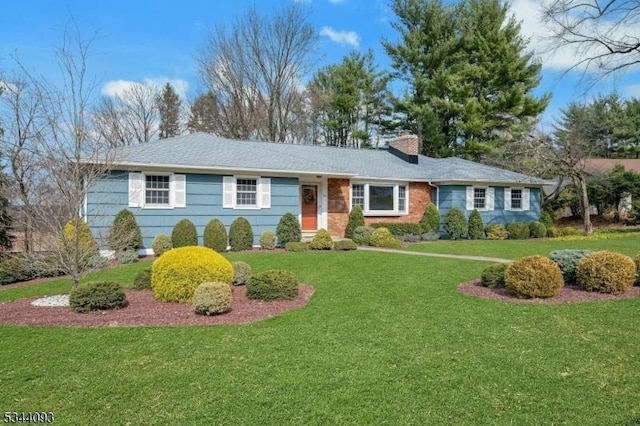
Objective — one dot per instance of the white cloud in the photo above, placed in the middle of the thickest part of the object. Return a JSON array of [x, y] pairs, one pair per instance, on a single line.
[[118, 87], [341, 37]]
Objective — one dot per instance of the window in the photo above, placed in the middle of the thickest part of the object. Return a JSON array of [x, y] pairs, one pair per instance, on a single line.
[[516, 199], [380, 199], [156, 190], [246, 192], [159, 191], [480, 198]]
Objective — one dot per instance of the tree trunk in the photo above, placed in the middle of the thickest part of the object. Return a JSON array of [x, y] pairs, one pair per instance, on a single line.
[[580, 184]]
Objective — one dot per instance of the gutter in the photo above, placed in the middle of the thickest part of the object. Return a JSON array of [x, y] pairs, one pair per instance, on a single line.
[[437, 193]]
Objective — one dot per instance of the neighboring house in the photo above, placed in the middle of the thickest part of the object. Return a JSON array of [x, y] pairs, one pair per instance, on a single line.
[[201, 177], [595, 166]]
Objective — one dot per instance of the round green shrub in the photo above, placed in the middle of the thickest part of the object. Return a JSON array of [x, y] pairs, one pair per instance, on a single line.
[[321, 241], [362, 235], [476, 226], [496, 232], [546, 219], [142, 281], [517, 230], [553, 232], [215, 236], [97, 295], [606, 272], [381, 237], [537, 230], [241, 272], [125, 233], [275, 284], [636, 259], [493, 275], [161, 244], [356, 219], [430, 219], [176, 274], [240, 235], [533, 277], [567, 260], [288, 230], [212, 298], [184, 234], [455, 224], [296, 246], [345, 245], [267, 240]]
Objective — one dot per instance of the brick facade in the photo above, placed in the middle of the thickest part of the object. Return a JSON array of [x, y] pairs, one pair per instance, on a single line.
[[338, 206]]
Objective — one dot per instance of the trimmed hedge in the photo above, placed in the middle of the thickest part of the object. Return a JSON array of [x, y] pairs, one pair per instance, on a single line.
[[275, 284], [161, 244], [267, 240], [475, 225], [212, 298], [296, 246], [125, 233], [362, 235], [97, 296], [381, 237], [177, 273], [496, 232], [606, 272], [517, 230], [455, 224], [288, 230], [636, 259], [240, 234], [533, 277], [241, 272], [537, 230], [430, 219], [142, 281], [184, 234], [321, 241], [400, 229], [356, 219], [345, 244], [215, 236]]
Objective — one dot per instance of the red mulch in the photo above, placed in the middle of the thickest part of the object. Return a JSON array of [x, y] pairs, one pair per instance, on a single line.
[[569, 294], [145, 310]]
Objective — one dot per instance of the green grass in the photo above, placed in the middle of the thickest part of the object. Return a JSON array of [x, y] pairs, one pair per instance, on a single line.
[[386, 339], [513, 249]]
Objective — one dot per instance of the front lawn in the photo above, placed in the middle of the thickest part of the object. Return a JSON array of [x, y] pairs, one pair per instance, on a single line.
[[628, 244], [386, 339]]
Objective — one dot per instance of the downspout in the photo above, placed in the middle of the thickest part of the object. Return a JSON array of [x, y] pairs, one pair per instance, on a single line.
[[437, 194]]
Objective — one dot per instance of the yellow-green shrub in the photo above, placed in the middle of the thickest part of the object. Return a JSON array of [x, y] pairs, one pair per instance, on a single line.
[[177, 273], [321, 241], [161, 244], [636, 259], [241, 272], [606, 272], [533, 276], [86, 243], [381, 237], [212, 298]]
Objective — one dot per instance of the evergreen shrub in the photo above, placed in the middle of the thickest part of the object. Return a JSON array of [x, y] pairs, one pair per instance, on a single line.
[[267, 240], [212, 298], [455, 224], [537, 230], [275, 284], [517, 230], [142, 281], [636, 259], [493, 275], [241, 272], [430, 219], [161, 244], [321, 241], [344, 245], [362, 235], [215, 236], [97, 295], [296, 246], [533, 277], [184, 234], [547, 219], [475, 225], [356, 219], [606, 272], [240, 234], [288, 230], [567, 260], [177, 273], [496, 232], [381, 237], [125, 233]]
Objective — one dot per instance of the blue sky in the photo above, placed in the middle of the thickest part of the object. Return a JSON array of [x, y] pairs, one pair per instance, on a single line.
[[152, 42]]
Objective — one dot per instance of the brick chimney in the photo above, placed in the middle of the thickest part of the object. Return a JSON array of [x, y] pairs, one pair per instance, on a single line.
[[406, 147]]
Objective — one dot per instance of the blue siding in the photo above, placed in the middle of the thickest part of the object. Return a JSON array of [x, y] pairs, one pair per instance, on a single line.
[[451, 196], [203, 203]]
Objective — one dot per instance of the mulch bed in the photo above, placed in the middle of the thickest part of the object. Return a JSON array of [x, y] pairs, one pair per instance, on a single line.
[[568, 294], [145, 310]]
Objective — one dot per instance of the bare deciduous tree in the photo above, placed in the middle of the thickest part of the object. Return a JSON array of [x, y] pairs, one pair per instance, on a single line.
[[254, 72], [604, 33]]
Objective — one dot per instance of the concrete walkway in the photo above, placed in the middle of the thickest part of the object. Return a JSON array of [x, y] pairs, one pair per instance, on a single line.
[[447, 256]]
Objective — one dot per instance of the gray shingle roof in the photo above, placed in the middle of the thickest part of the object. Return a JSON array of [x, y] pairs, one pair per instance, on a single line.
[[208, 152]]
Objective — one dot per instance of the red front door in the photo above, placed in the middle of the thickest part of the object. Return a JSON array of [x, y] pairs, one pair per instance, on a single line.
[[309, 207]]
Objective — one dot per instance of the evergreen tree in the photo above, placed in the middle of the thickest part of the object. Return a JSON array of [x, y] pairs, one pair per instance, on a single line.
[[6, 221], [202, 114], [169, 105], [470, 79]]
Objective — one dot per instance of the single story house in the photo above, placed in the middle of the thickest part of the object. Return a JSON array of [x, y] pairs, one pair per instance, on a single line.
[[201, 176]]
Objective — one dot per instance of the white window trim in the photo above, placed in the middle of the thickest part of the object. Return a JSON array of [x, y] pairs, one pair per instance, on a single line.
[[138, 188], [394, 185], [525, 201], [489, 203], [229, 193]]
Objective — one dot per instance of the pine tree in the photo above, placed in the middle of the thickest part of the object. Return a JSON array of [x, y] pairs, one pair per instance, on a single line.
[[6, 221], [203, 114], [469, 75], [169, 105]]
